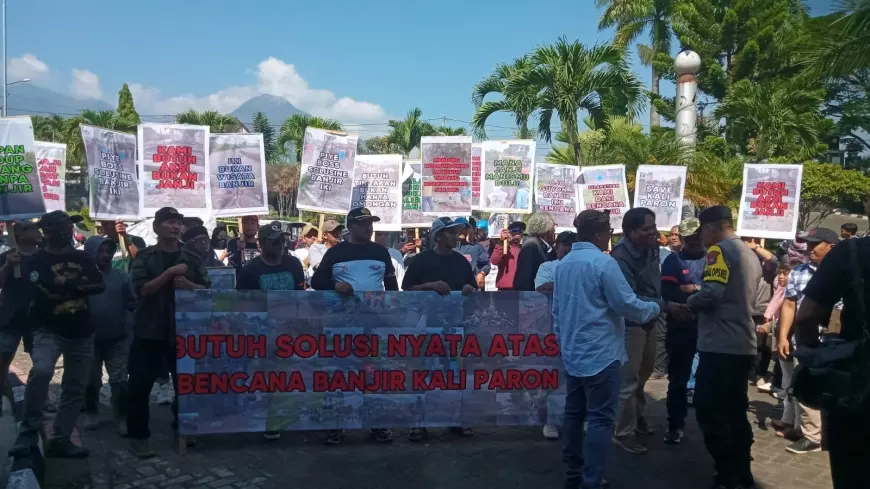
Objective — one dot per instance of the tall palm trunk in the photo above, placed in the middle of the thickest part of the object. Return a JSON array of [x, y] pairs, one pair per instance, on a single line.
[[653, 113]]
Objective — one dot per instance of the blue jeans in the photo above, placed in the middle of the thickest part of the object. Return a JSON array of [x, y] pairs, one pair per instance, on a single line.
[[691, 384], [594, 401]]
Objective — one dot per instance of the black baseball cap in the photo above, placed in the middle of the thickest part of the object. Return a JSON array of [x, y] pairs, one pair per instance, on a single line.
[[359, 214], [166, 214], [518, 227], [715, 214], [56, 219], [194, 232], [817, 235], [271, 231]]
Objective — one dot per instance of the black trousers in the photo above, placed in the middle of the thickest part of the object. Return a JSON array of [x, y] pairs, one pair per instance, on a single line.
[[845, 437], [721, 401], [763, 356], [681, 347], [148, 358]]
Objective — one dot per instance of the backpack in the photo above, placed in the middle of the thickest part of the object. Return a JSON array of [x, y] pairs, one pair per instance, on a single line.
[[835, 376]]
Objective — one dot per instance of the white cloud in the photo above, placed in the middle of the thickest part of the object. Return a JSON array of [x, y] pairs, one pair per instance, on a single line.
[[26, 66], [85, 85]]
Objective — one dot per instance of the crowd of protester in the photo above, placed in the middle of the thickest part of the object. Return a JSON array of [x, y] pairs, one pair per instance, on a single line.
[[702, 307]]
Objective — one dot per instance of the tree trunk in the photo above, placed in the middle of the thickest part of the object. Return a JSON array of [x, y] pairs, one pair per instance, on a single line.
[[653, 113]]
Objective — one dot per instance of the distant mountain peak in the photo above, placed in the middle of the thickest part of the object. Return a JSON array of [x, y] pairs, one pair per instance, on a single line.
[[277, 109]]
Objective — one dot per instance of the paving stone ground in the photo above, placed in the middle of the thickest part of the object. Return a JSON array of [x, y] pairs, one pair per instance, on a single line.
[[495, 458]]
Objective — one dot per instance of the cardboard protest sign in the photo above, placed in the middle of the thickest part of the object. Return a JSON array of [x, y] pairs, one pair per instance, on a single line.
[[377, 184], [603, 188], [112, 176], [498, 222], [287, 361], [508, 168], [770, 201], [237, 175], [326, 178], [173, 165], [51, 163], [556, 193], [446, 175], [412, 208], [660, 189], [476, 169], [20, 195]]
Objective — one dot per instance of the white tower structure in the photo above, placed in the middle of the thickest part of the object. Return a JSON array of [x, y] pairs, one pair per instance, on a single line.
[[686, 64]]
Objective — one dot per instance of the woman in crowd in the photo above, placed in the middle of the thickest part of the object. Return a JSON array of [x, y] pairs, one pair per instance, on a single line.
[[196, 239], [219, 239]]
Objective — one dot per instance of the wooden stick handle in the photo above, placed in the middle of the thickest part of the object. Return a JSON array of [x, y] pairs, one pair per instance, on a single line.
[[416, 237], [13, 245], [122, 242], [504, 244], [320, 227], [762, 242]]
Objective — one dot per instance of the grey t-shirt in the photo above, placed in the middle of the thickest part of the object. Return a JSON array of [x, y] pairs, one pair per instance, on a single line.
[[728, 299]]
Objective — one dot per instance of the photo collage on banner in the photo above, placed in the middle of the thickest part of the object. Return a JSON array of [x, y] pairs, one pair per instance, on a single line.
[[412, 207], [660, 189], [556, 193], [51, 163], [508, 168], [238, 175], [377, 186], [326, 177], [446, 175], [603, 188], [770, 201], [173, 168], [476, 170], [386, 381], [112, 175], [21, 195]]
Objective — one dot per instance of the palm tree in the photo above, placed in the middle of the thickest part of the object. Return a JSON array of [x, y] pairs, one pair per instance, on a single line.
[[293, 131], [406, 133], [107, 119], [843, 49], [51, 128], [450, 131], [569, 77], [217, 122], [521, 104], [631, 18], [781, 117]]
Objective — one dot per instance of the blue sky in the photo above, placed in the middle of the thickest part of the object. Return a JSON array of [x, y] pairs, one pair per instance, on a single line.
[[358, 62]]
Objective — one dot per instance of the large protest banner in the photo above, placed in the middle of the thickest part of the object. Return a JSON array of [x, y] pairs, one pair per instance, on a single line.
[[556, 193], [112, 176], [173, 166], [237, 164], [20, 195], [51, 163], [412, 208], [770, 201], [251, 361], [603, 188], [660, 189], [446, 175], [377, 181], [508, 168], [326, 179], [476, 170]]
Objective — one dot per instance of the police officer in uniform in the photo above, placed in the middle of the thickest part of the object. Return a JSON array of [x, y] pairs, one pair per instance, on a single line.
[[727, 347]]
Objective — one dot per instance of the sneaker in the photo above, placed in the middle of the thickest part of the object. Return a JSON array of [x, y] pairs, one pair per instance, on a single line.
[[690, 397], [334, 437], [763, 386], [418, 434], [790, 434], [551, 432], [804, 445], [674, 436], [382, 435], [65, 449], [142, 448], [272, 435], [630, 445], [91, 420]]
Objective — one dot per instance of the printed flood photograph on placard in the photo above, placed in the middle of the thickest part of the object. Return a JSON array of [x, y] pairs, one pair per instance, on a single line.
[[603, 188], [237, 164], [476, 170], [377, 187], [51, 163], [446, 175], [20, 197], [556, 193], [173, 166], [112, 176], [660, 189], [412, 207], [508, 168], [326, 177], [769, 202]]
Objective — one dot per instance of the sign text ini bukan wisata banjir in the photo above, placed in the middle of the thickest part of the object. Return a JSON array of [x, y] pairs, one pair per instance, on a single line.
[[365, 346]]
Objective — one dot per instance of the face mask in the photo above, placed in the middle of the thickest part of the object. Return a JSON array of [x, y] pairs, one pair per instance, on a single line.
[[58, 239]]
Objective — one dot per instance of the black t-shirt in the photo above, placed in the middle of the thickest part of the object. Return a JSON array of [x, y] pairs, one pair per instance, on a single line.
[[429, 266], [832, 282], [169, 259], [236, 257], [257, 274], [16, 295], [63, 309]]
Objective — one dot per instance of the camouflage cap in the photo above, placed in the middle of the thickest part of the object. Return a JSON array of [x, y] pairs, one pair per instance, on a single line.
[[689, 226]]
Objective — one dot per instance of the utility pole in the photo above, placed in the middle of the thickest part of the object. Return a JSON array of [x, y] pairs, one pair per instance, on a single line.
[[3, 112]]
